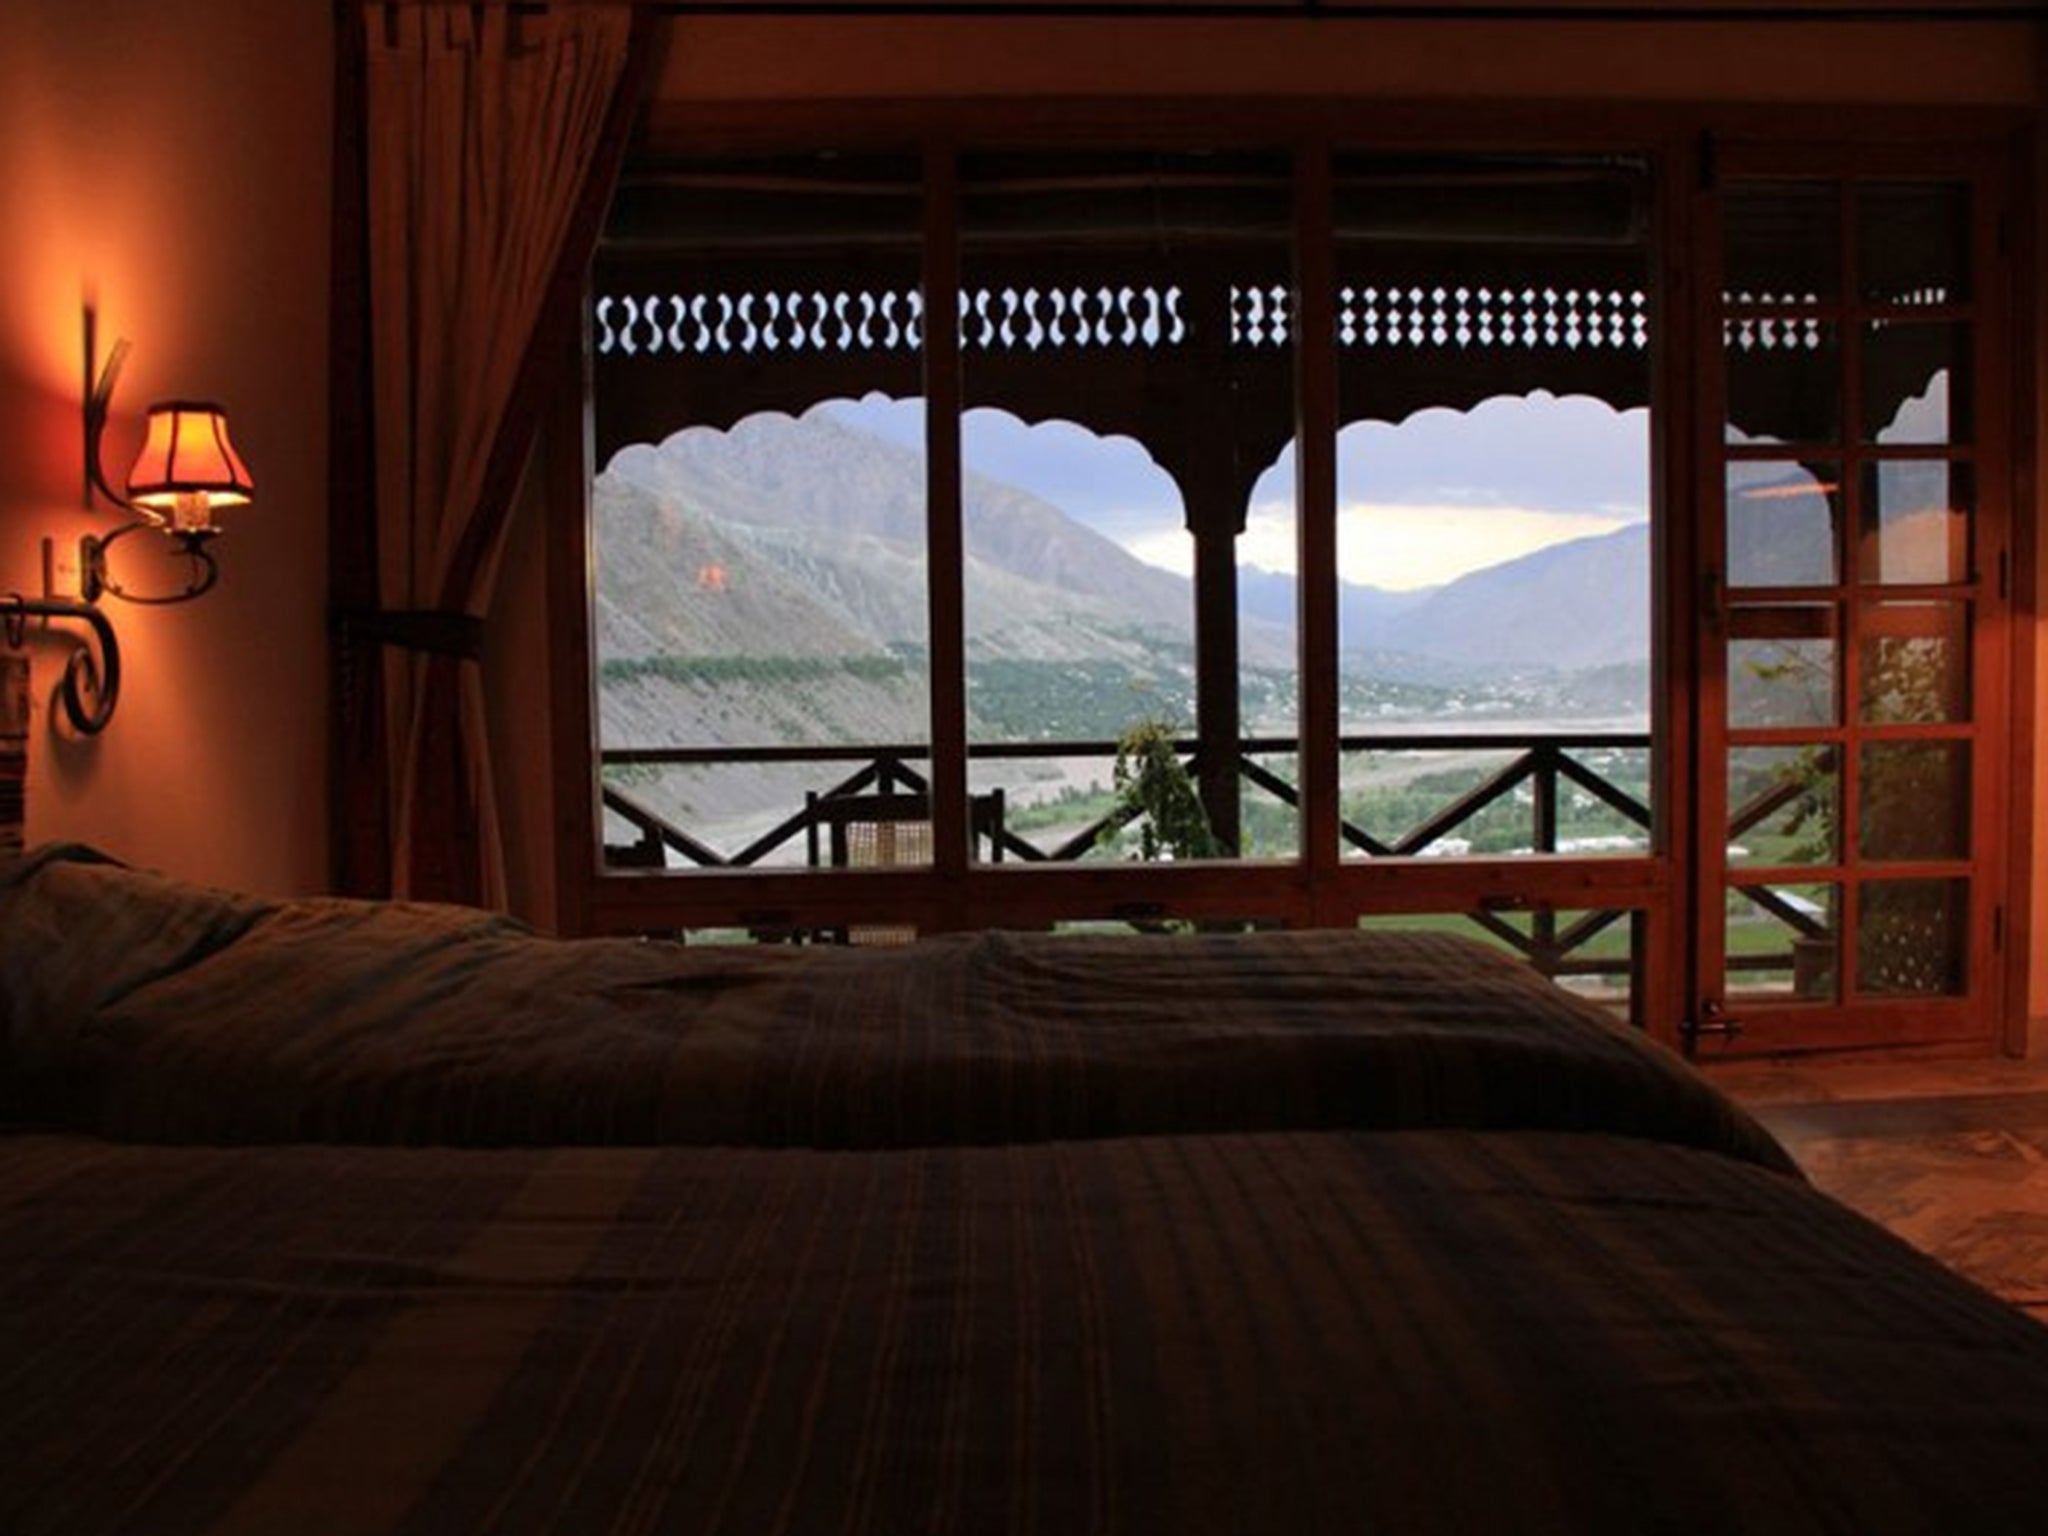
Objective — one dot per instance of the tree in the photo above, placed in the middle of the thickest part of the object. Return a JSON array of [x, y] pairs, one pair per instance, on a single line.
[[1154, 790]]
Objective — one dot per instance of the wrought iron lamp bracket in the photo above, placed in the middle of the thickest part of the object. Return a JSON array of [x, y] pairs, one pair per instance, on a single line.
[[95, 578], [91, 684]]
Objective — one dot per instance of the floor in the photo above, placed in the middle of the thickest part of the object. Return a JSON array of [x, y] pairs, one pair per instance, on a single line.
[[1951, 1155]]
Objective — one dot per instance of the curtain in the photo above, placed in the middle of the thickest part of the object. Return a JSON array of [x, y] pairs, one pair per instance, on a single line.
[[492, 140]]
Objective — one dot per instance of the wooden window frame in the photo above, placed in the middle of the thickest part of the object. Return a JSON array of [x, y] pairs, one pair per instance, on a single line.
[[1319, 888]]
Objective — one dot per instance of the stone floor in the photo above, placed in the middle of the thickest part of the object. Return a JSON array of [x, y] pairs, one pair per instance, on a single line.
[[1951, 1155]]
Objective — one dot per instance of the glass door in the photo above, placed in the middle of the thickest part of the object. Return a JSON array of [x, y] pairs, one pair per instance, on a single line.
[[1853, 601]]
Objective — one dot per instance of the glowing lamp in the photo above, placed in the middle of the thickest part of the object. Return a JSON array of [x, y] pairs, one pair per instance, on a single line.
[[188, 467]]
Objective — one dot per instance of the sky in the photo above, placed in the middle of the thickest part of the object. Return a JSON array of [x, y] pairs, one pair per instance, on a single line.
[[1420, 503]]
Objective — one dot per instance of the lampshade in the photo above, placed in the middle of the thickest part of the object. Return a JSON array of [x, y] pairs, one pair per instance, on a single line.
[[187, 465]]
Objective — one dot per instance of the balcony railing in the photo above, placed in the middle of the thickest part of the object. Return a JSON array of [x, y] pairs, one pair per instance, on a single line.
[[1544, 762], [1536, 772]]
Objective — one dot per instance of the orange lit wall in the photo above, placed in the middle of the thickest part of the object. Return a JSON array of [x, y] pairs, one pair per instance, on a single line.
[[170, 162]]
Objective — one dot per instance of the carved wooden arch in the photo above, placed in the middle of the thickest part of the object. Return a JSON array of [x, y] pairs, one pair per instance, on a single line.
[[1197, 366]]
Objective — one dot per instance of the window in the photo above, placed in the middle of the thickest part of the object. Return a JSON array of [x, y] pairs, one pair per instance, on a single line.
[[1340, 479], [786, 582]]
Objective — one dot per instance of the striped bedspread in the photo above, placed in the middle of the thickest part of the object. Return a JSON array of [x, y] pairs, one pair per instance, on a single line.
[[141, 1008], [354, 1219], [1421, 1333]]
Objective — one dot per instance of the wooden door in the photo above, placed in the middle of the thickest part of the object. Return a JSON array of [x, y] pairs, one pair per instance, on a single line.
[[1854, 604]]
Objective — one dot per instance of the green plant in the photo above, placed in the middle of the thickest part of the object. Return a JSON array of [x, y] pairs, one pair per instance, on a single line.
[[1811, 822], [1154, 790]]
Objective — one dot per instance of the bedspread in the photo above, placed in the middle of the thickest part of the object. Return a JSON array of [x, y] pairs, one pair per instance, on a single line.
[[1413, 1332], [143, 1008]]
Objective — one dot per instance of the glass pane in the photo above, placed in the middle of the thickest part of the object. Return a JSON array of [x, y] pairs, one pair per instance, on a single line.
[[1912, 937], [1126, 352], [1784, 804], [1916, 663], [1782, 522], [1916, 522], [1915, 800], [1271, 808], [1405, 799], [1916, 383], [1782, 664], [1784, 243], [761, 612], [1268, 669], [1784, 381], [1783, 942], [1913, 243], [1054, 806], [1493, 496]]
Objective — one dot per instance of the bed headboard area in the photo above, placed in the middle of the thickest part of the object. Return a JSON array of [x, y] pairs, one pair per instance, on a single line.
[[13, 753]]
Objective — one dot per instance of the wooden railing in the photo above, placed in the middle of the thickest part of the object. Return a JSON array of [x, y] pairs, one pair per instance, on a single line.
[[1558, 944], [1544, 761]]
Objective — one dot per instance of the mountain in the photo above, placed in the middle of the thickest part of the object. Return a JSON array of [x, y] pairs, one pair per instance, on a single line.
[[768, 585], [1582, 603], [786, 482], [1268, 597]]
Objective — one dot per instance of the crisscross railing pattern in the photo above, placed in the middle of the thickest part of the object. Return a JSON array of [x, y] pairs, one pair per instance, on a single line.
[[1544, 764]]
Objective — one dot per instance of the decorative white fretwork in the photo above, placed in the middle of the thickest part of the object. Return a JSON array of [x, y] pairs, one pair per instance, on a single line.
[[1261, 315], [745, 324], [1071, 316], [1465, 317], [1777, 333], [1129, 317], [1063, 318]]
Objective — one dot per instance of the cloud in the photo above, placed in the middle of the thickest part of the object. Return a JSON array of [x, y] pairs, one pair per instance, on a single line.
[[1402, 547], [1398, 548]]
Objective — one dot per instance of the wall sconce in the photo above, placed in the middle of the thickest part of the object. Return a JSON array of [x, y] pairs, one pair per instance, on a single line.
[[187, 469]]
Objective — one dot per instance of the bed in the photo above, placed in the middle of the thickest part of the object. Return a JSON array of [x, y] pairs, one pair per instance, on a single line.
[[368, 1218]]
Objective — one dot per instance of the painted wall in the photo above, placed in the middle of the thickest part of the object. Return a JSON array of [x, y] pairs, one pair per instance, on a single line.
[[170, 162]]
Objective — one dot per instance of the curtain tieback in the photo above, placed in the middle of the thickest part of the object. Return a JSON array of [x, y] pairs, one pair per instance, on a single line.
[[437, 631]]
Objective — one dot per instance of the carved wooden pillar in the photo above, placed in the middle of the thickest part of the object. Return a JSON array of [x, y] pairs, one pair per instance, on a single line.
[[1216, 471], [1216, 672]]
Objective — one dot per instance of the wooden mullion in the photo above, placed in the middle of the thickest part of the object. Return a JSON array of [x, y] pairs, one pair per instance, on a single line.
[[1662, 985], [1707, 618], [945, 540], [1315, 493], [359, 799], [571, 575], [2000, 647]]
